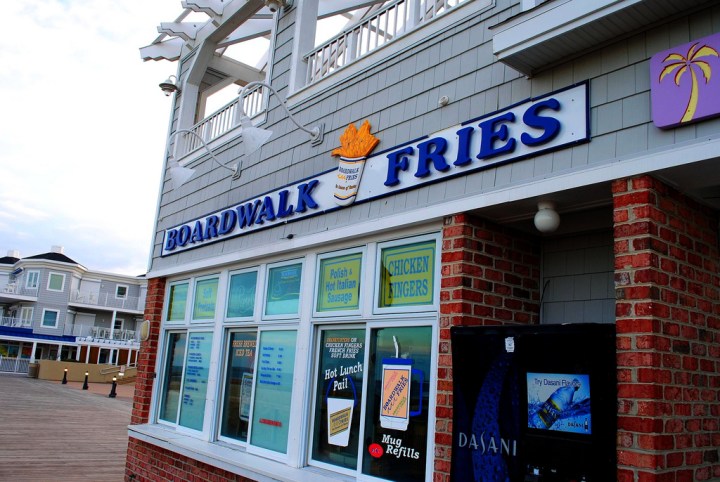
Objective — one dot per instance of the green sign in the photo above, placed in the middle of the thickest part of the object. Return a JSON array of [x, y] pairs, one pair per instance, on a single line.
[[406, 275], [205, 297], [339, 283]]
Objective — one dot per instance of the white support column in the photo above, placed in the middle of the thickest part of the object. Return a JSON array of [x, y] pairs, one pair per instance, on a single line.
[[87, 355], [306, 14], [32, 355], [77, 353], [59, 353]]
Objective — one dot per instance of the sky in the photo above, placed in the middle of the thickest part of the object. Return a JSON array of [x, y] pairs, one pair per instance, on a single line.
[[83, 130]]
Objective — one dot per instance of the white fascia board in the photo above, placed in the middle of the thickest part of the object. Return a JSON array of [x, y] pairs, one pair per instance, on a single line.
[[235, 69], [167, 50], [550, 20]]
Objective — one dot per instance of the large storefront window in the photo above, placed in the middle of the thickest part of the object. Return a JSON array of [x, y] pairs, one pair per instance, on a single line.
[[186, 378], [364, 346], [273, 391], [396, 369], [235, 419]]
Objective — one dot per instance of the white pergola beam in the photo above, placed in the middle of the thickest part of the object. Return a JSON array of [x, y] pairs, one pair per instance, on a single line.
[[211, 8], [167, 50], [185, 30]]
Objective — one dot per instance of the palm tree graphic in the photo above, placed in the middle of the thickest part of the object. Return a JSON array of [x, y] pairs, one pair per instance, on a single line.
[[681, 64]]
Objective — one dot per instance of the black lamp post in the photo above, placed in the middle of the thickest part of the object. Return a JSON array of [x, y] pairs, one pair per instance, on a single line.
[[85, 385], [112, 390], [64, 381]]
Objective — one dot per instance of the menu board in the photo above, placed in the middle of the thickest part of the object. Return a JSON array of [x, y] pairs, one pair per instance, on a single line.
[[273, 390], [205, 298], [283, 293], [197, 364], [339, 283], [406, 275]]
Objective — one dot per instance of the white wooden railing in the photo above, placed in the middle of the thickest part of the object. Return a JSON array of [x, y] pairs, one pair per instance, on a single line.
[[99, 333], [387, 24], [15, 322], [14, 364], [108, 300], [221, 121]]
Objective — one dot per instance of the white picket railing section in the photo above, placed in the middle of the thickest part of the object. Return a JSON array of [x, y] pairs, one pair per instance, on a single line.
[[14, 365], [387, 24], [221, 121]]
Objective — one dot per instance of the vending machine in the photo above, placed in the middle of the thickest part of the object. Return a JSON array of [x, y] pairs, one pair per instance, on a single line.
[[534, 403]]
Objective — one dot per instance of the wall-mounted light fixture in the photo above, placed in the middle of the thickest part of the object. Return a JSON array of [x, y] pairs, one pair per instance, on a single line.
[[275, 5], [178, 174], [255, 137], [169, 85], [546, 219]]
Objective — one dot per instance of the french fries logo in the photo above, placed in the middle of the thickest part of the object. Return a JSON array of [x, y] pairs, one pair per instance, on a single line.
[[355, 146]]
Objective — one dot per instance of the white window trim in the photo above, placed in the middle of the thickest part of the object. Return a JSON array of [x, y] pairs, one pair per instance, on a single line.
[[127, 290], [57, 318], [219, 297], [29, 276], [50, 277], [122, 323], [26, 309], [259, 282], [266, 287]]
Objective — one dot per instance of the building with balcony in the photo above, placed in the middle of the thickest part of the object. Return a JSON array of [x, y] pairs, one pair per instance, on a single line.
[[390, 184], [52, 307]]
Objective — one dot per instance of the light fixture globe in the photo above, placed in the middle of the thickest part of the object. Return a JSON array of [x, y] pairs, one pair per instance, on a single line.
[[253, 137], [168, 86], [275, 5], [546, 219]]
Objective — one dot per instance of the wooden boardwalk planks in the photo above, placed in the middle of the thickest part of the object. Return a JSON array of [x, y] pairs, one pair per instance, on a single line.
[[54, 432]]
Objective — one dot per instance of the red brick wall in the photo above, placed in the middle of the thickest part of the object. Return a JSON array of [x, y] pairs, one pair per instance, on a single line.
[[490, 276], [148, 352], [148, 462], [668, 316]]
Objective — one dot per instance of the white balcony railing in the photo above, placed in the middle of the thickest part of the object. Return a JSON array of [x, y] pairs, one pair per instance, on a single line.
[[17, 288], [107, 300], [221, 121], [101, 334], [387, 24], [15, 322]]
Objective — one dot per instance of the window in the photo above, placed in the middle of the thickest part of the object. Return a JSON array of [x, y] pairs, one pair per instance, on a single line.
[[406, 276], [364, 381], [395, 363], [121, 292], [282, 296], [205, 299], [32, 279], [56, 282], [177, 301], [239, 375], [184, 387], [26, 315], [118, 324], [338, 283], [50, 318], [241, 294]]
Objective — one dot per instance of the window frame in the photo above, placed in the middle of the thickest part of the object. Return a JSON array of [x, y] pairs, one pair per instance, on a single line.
[[218, 299], [117, 290], [34, 277], [168, 302], [257, 298], [57, 318], [268, 278], [26, 309], [55, 274]]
